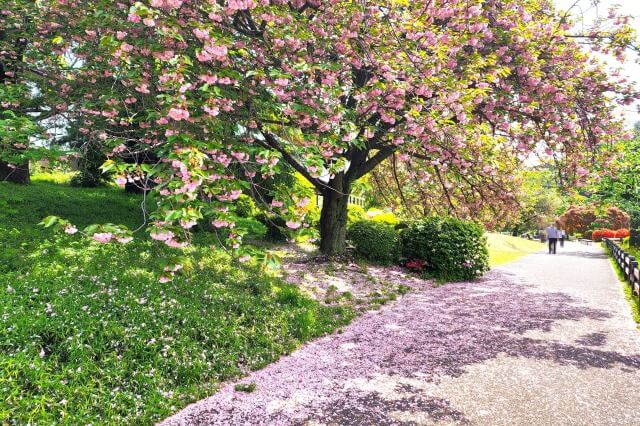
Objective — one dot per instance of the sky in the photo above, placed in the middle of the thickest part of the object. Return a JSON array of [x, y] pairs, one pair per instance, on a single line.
[[585, 13]]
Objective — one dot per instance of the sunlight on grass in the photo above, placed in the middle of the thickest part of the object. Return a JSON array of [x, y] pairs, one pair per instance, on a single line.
[[52, 177], [89, 335], [505, 248]]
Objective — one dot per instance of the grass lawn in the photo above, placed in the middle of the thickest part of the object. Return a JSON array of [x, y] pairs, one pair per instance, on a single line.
[[505, 248], [88, 335]]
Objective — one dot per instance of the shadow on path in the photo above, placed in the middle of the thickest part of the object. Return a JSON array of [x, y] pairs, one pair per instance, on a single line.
[[429, 334]]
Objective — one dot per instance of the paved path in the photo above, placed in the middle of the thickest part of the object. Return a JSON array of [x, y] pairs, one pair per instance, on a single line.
[[546, 340]]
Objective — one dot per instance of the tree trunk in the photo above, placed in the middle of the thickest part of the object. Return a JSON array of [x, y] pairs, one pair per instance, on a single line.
[[15, 174], [333, 216]]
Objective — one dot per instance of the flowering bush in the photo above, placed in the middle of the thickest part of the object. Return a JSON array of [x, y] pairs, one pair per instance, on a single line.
[[453, 249], [599, 234], [374, 241], [622, 233]]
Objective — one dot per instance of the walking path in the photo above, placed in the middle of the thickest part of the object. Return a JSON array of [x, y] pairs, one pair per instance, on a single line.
[[546, 340]]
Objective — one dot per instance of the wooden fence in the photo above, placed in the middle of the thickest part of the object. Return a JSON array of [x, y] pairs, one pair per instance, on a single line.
[[627, 263]]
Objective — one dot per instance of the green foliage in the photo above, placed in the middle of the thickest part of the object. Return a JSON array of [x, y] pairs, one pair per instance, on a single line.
[[374, 241], [88, 335], [454, 249], [539, 201], [356, 213], [245, 206], [276, 227], [382, 216]]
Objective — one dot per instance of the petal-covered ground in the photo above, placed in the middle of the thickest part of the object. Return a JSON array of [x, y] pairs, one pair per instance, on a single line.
[[544, 340]]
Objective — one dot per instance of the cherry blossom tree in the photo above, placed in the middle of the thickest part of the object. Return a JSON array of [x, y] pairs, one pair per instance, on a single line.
[[455, 90], [29, 104]]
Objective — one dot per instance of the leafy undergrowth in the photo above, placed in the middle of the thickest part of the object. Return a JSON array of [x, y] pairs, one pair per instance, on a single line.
[[506, 248], [88, 335], [626, 287]]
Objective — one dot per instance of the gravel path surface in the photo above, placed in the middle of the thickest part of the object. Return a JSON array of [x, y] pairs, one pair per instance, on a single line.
[[546, 340]]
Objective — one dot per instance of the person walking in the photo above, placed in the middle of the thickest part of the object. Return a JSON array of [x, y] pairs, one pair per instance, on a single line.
[[552, 236], [561, 236]]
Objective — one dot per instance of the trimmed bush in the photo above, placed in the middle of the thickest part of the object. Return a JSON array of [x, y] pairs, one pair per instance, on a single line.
[[599, 234], [374, 241], [622, 233], [453, 249]]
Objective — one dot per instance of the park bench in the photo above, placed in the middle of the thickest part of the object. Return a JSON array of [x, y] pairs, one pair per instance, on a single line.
[[585, 241]]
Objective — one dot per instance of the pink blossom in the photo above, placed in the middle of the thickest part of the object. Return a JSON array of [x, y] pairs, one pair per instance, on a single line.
[[218, 223], [162, 236], [304, 202], [293, 225], [70, 229], [176, 244], [178, 114], [102, 237]]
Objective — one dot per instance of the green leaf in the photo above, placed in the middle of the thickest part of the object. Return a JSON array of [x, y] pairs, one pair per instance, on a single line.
[[49, 221]]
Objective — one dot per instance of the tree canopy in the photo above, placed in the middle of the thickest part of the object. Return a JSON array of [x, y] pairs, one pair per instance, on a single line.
[[215, 95]]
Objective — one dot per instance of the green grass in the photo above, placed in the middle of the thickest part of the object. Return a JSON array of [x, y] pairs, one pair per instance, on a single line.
[[626, 287], [505, 248], [88, 335]]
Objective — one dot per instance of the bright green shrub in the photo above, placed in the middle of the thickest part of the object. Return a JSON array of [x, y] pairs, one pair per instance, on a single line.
[[382, 216], [453, 249], [374, 241], [245, 206], [356, 213]]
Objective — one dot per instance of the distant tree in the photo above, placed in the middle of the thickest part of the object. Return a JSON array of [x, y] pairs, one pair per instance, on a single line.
[[577, 219]]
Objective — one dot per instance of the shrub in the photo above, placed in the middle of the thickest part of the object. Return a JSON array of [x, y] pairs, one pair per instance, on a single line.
[[245, 206], [588, 234], [622, 233], [599, 234], [453, 249], [374, 241], [400, 225], [356, 213], [377, 215], [276, 227]]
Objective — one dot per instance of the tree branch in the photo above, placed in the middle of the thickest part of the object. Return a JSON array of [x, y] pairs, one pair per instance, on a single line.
[[272, 142]]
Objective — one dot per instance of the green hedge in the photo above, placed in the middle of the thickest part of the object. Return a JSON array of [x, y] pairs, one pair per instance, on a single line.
[[374, 241], [453, 249]]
